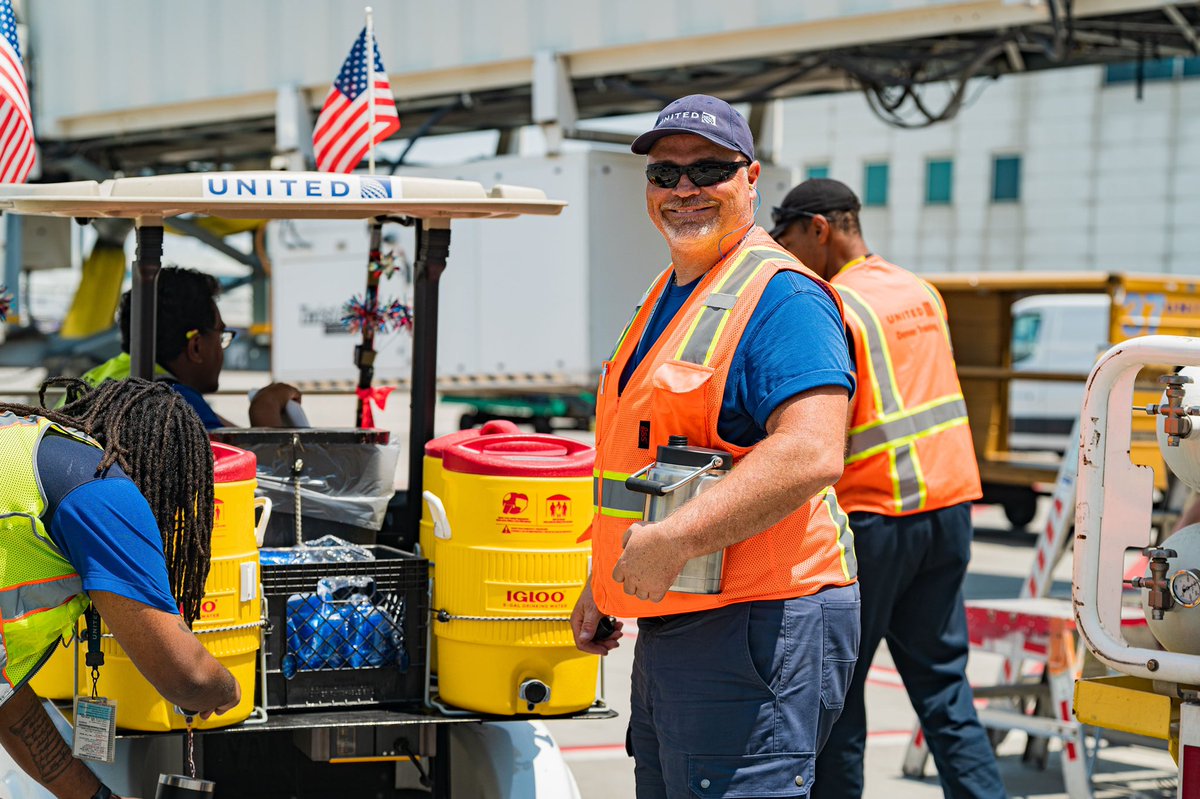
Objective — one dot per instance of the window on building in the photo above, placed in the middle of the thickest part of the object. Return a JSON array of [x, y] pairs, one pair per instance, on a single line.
[[1006, 178], [939, 181], [875, 181], [1152, 69], [816, 171]]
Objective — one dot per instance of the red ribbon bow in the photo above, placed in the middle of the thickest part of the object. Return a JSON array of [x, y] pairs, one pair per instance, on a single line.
[[377, 395]]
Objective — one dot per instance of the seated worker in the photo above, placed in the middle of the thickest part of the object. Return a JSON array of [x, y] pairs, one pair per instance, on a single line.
[[190, 349], [106, 501]]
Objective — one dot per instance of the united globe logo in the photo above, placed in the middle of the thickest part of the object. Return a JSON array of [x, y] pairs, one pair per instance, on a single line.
[[374, 189]]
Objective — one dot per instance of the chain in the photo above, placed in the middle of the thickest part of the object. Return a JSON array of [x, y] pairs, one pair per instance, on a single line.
[[447, 616], [248, 626]]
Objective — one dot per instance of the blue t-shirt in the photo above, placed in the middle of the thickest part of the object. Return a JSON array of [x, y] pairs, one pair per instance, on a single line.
[[199, 404], [794, 342], [103, 526]]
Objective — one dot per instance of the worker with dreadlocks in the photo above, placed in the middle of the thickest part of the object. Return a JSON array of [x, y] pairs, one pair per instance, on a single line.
[[190, 342], [107, 500]]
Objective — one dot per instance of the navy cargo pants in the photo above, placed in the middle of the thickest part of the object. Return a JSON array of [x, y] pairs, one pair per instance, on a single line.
[[736, 701], [910, 571]]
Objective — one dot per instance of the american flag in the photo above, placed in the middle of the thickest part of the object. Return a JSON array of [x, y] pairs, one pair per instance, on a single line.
[[16, 122], [340, 139]]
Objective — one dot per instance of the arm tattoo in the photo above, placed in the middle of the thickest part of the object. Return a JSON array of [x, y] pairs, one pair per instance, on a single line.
[[47, 748]]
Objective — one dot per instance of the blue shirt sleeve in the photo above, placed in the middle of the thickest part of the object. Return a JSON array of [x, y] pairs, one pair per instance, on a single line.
[[107, 531], [794, 342], [194, 398]]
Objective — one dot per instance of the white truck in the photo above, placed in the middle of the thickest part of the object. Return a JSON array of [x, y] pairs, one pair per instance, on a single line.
[[1052, 333]]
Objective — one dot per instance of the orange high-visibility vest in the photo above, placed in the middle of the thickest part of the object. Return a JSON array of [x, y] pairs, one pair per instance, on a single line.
[[677, 390], [909, 447]]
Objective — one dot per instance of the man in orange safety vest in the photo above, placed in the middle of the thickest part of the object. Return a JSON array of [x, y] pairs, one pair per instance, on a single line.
[[908, 484], [737, 347]]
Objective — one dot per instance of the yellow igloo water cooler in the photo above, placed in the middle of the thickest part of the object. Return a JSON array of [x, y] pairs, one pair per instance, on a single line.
[[231, 600], [433, 478], [433, 481], [510, 567]]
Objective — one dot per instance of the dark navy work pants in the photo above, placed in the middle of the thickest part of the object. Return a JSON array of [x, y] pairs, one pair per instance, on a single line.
[[736, 702], [910, 571]]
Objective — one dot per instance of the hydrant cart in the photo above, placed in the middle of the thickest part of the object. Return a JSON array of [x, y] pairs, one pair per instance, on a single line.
[[518, 760]]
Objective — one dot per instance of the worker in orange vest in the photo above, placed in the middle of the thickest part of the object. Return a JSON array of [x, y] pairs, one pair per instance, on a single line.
[[738, 348], [908, 484]]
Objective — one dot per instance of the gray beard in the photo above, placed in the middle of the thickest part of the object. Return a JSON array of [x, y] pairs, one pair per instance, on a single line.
[[688, 230]]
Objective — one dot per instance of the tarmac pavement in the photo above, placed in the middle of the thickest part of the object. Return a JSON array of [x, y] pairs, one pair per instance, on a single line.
[[1000, 562]]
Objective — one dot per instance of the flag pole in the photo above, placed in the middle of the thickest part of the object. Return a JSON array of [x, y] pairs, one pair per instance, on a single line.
[[370, 92], [365, 352]]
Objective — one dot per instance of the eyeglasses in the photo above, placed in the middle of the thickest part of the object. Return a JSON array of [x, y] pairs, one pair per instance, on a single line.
[[227, 335], [704, 173]]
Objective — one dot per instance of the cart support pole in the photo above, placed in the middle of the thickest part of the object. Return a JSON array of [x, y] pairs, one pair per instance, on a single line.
[[433, 245], [364, 354], [145, 300]]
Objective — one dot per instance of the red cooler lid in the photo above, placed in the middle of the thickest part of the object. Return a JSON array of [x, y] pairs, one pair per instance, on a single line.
[[232, 465], [497, 427], [521, 455]]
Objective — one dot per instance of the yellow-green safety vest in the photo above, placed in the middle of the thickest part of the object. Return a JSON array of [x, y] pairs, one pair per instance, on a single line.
[[41, 594]]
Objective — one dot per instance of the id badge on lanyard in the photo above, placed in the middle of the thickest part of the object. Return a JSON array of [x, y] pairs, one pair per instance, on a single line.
[[95, 716]]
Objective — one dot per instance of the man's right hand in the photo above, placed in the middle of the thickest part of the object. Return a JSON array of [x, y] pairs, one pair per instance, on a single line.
[[266, 409], [169, 655], [228, 706], [584, 619]]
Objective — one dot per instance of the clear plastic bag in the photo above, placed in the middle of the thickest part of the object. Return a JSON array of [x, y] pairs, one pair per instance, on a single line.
[[326, 549]]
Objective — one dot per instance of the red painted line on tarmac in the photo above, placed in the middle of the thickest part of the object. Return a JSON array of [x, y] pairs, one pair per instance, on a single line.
[[593, 748], [889, 734]]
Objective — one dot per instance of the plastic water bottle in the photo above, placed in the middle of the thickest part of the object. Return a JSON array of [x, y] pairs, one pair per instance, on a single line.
[[302, 624], [316, 632], [371, 642]]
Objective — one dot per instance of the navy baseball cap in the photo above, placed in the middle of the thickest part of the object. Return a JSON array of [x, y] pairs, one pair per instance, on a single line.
[[714, 119], [813, 196]]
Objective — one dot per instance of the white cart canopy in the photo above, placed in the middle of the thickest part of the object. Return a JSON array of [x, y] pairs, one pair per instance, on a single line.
[[275, 195]]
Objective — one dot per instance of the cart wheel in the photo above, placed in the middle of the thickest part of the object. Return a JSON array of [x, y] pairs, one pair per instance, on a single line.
[[1020, 510], [468, 420], [541, 424]]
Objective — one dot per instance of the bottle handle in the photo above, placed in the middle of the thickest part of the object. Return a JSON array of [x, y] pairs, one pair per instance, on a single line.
[[636, 482]]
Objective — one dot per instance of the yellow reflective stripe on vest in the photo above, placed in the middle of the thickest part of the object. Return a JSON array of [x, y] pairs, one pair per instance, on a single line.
[[701, 340], [906, 427], [943, 323], [610, 497], [636, 311], [908, 484], [883, 377], [845, 539], [20, 600], [896, 428]]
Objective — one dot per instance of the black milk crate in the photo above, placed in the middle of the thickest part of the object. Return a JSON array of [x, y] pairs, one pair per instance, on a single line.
[[343, 671]]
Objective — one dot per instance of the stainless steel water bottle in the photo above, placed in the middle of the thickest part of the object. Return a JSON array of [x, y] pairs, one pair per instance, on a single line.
[[679, 474]]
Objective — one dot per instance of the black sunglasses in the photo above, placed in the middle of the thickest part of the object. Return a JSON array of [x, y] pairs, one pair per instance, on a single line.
[[704, 173], [782, 216]]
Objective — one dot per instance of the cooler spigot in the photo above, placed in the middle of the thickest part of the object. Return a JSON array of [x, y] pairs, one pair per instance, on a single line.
[[1177, 424], [1160, 599], [534, 692]]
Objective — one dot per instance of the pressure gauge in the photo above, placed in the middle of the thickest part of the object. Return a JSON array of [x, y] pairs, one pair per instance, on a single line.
[[1185, 587]]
